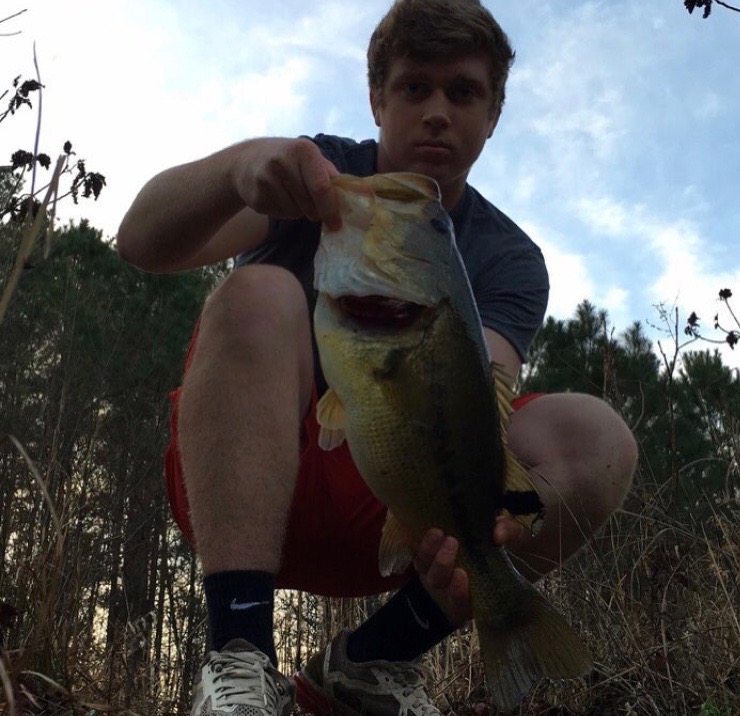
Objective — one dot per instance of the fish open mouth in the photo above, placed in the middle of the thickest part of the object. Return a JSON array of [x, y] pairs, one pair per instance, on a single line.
[[380, 311]]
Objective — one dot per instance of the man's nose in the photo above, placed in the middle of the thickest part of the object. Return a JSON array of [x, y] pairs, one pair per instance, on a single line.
[[437, 111]]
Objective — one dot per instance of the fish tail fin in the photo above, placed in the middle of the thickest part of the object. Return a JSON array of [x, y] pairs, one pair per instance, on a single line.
[[541, 644]]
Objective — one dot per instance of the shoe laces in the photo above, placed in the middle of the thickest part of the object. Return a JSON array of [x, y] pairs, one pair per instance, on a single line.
[[241, 679], [408, 680]]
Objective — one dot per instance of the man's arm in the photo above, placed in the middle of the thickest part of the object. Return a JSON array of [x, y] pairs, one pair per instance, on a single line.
[[211, 209], [503, 353]]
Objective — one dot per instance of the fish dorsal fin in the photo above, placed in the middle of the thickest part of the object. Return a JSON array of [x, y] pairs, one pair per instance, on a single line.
[[396, 547], [332, 420], [520, 498], [504, 394]]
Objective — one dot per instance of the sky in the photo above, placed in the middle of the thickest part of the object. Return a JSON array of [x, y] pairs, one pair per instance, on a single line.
[[618, 150]]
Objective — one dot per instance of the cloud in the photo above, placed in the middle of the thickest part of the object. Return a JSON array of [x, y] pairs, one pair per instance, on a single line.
[[675, 247], [617, 148], [709, 106], [684, 274], [572, 278], [574, 94], [602, 215], [146, 85]]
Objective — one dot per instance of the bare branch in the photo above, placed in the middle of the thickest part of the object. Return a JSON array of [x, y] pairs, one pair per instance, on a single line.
[[10, 17], [29, 238], [729, 7], [38, 122]]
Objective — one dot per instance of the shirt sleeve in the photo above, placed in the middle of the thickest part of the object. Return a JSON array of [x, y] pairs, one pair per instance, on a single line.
[[512, 295]]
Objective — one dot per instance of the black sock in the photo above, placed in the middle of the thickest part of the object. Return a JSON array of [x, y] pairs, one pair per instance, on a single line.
[[240, 605], [403, 629]]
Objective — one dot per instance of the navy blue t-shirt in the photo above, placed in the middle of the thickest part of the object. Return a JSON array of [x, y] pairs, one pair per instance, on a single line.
[[506, 269]]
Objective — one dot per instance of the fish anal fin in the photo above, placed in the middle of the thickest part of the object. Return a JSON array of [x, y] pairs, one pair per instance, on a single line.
[[332, 419], [397, 547], [542, 644]]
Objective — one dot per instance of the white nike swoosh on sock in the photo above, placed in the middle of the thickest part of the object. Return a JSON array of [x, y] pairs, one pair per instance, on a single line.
[[423, 623], [244, 605]]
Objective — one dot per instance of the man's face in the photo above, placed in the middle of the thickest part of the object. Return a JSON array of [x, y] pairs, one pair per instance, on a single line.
[[434, 118]]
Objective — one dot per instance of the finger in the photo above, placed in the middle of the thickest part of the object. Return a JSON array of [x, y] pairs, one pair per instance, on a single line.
[[323, 197], [285, 183], [459, 590], [439, 574], [507, 530], [279, 190], [427, 550], [297, 195]]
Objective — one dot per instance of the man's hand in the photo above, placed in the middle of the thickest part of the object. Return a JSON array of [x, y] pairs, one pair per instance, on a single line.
[[447, 584], [288, 179]]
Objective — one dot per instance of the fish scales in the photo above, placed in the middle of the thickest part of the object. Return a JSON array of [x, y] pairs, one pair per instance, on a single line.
[[412, 391]]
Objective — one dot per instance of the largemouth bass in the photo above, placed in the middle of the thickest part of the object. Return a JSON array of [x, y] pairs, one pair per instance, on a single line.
[[414, 392]]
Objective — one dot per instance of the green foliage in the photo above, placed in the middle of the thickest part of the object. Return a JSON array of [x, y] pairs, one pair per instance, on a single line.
[[85, 300], [15, 204], [706, 6], [21, 95], [687, 426], [731, 335], [709, 709], [89, 350]]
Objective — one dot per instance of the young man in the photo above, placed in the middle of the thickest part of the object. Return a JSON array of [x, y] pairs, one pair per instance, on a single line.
[[267, 508]]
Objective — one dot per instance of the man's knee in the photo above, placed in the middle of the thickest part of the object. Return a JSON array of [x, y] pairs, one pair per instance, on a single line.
[[258, 301], [587, 440], [620, 453], [257, 319]]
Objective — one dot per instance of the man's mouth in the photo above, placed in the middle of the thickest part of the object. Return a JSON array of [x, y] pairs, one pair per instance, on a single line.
[[433, 144]]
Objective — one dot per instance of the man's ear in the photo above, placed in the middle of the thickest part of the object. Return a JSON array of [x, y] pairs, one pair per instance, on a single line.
[[493, 120], [375, 105]]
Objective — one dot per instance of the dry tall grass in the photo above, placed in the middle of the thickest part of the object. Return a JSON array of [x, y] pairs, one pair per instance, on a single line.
[[656, 595]]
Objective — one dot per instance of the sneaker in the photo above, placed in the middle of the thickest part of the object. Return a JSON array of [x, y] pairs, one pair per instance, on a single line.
[[241, 681], [332, 685]]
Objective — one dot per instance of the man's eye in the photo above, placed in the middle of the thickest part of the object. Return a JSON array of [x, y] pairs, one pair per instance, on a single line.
[[463, 93], [413, 89]]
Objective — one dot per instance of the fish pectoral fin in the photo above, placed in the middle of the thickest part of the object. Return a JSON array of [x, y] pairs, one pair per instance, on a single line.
[[397, 547], [332, 419]]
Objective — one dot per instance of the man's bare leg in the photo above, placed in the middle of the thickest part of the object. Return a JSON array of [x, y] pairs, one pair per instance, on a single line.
[[243, 400], [582, 458]]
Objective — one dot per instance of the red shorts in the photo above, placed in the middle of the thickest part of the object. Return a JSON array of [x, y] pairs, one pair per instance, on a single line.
[[334, 526]]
